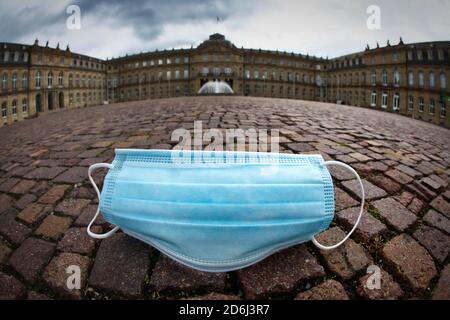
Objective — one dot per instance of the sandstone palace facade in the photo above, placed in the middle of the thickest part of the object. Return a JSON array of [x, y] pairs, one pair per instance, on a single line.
[[409, 79]]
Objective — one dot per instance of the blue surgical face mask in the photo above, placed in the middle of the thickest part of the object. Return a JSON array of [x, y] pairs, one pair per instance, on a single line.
[[218, 211]]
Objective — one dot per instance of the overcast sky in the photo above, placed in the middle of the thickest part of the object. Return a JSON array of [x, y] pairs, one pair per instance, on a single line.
[[110, 28]]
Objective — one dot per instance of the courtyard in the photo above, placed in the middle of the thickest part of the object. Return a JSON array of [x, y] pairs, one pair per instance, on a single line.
[[46, 202]]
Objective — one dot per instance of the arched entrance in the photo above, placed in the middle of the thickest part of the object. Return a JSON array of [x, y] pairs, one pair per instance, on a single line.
[[61, 100], [50, 101], [38, 103]]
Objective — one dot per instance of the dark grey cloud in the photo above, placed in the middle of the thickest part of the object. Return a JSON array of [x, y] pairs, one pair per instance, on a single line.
[[324, 28], [147, 18]]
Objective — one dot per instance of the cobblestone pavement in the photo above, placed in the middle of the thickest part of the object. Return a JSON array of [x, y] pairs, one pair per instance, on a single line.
[[46, 203]]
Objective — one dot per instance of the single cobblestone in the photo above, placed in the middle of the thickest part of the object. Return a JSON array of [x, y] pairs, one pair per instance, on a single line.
[[120, 266], [371, 191], [53, 227], [169, 275], [270, 277], [72, 207], [395, 214], [411, 261], [10, 288], [346, 260], [78, 241], [31, 257], [436, 242], [368, 227], [14, 231], [54, 194], [328, 290], [388, 290], [56, 275], [442, 289], [437, 220]]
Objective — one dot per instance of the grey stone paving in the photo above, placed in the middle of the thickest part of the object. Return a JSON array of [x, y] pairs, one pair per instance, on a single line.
[[46, 203]]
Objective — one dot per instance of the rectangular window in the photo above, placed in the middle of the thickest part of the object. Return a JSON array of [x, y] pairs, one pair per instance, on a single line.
[[432, 106], [384, 104], [411, 78], [396, 105], [373, 99], [186, 74], [374, 78], [443, 109], [410, 103], [432, 80], [421, 104], [4, 110], [419, 55]]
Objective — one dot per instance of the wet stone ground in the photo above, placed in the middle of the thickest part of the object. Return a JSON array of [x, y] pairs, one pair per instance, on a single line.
[[46, 203]]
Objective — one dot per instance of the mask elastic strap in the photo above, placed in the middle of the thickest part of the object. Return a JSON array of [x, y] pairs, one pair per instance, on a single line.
[[90, 233], [327, 248]]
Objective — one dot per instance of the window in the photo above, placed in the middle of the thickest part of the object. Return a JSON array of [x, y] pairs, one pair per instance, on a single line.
[[384, 102], [168, 75], [14, 108], [205, 71], [5, 81], [216, 71], [14, 81], [419, 55], [4, 110], [410, 103], [421, 79], [374, 78], [50, 79], [168, 61], [421, 104], [410, 55], [177, 74], [247, 74], [432, 106], [61, 79], [186, 59], [432, 80], [373, 99], [430, 55], [397, 77], [24, 80], [441, 55], [186, 74], [443, 109], [256, 74], [24, 106], [395, 56], [227, 71], [443, 81], [160, 61], [411, 78], [385, 78], [38, 79], [396, 105]]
